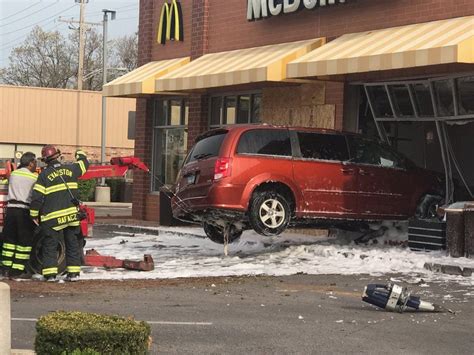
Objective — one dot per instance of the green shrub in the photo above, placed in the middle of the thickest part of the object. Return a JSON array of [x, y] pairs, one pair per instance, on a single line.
[[115, 187], [67, 333], [86, 190]]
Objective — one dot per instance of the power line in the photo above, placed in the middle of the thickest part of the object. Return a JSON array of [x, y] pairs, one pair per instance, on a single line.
[[126, 18], [16, 41], [12, 43], [19, 12], [135, 6], [36, 23], [21, 18]]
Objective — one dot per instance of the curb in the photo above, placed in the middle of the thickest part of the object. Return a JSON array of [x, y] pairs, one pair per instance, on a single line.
[[126, 229], [449, 269], [109, 204]]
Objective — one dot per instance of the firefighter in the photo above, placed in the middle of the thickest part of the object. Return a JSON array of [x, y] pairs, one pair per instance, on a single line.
[[19, 229], [55, 207]]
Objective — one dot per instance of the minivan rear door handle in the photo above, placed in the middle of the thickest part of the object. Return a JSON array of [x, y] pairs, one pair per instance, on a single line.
[[347, 171]]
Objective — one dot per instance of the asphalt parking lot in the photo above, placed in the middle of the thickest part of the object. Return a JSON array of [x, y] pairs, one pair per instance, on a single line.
[[290, 314]]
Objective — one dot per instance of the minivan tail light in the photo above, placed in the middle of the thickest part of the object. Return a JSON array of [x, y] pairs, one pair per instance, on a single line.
[[222, 168]]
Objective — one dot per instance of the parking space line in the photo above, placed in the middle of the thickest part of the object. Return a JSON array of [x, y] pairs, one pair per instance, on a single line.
[[179, 323], [149, 322]]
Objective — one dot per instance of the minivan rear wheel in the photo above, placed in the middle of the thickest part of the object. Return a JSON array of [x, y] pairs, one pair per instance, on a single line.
[[269, 213], [216, 233]]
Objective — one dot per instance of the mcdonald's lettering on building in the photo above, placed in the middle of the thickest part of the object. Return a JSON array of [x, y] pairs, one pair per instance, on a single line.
[[257, 9], [170, 26]]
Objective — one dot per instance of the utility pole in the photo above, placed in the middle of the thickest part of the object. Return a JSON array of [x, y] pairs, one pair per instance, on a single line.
[[80, 70], [104, 81], [83, 26]]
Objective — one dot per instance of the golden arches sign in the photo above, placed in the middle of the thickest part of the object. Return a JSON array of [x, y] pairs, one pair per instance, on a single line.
[[171, 23]]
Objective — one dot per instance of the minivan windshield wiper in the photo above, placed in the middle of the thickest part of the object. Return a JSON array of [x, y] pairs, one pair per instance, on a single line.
[[202, 156]]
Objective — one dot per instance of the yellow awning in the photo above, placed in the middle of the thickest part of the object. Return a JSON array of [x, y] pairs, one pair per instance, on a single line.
[[236, 67], [142, 80], [437, 42]]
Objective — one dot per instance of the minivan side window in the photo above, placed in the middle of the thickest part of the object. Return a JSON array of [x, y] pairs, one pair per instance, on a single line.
[[366, 151], [323, 146], [275, 142], [206, 148]]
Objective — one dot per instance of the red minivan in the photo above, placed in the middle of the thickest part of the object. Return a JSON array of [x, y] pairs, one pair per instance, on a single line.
[[267, 177]]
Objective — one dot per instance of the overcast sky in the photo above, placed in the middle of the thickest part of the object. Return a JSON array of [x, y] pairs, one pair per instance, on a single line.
[[18, 17]]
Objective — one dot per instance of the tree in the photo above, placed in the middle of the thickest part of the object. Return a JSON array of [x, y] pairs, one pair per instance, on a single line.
[[125, 52], [42, 60], [48, 59]]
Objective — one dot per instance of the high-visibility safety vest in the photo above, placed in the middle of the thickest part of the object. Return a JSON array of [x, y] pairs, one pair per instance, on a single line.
[[52, 203], [20, 188]]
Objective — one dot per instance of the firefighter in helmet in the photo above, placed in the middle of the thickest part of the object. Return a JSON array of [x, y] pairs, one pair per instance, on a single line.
[[19, 229], [55, 207]]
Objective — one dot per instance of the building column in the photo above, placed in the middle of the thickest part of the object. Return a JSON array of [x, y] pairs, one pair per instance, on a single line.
[[198, 104], [144, 114], [335, 96], [199, 28], [143, 150], [198, 117]]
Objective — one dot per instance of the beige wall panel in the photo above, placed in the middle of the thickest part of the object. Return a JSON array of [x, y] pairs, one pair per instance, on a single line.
[[67, 117], [7, 151], [302, 105]]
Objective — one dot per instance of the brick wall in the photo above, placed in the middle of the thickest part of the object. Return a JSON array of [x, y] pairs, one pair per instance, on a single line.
[[143, 144], [171, 49], [93, 153], [335, 97], [229, 28], [200, 28]]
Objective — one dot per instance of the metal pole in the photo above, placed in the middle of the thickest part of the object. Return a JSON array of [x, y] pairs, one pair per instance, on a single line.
[[80, 70], [104, 99], [5, 316]]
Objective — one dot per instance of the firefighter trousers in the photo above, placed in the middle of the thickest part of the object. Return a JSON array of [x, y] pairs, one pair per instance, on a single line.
[[18, 233], [50, 248]]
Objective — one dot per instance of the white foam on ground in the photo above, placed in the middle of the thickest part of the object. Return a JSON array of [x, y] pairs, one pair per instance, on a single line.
[[176, 254]]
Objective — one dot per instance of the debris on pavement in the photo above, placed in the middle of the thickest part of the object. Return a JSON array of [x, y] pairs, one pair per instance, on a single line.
[[94, 258], [395, 298]]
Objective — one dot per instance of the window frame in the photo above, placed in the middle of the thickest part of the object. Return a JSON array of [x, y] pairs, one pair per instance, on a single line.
[[156, 171], [223, 112], [452, 79], [292, 152]]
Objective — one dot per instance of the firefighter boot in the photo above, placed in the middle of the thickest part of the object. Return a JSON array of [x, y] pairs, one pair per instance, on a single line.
[[72, 277]]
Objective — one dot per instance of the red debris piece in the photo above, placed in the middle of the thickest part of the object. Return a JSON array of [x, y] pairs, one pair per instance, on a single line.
[[93, 258]]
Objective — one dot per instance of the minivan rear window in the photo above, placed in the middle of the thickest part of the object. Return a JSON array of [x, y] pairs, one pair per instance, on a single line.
[[265, 142], [206, 148]]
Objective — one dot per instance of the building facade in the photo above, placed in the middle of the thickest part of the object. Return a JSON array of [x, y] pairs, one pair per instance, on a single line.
[[32, 117], [399, 70]]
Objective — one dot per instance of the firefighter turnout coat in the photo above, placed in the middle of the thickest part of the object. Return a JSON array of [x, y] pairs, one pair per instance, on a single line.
[[52, 203]]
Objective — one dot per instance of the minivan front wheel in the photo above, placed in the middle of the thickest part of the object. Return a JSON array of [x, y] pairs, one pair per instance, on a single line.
[[269, 213], [427, 207]]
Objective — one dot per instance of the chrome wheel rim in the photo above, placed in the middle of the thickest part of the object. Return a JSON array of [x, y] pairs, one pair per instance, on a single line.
[[272, 213]]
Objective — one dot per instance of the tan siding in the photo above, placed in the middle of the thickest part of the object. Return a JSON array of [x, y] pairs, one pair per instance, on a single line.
[[66, 117]]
